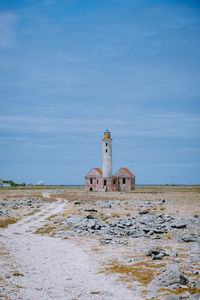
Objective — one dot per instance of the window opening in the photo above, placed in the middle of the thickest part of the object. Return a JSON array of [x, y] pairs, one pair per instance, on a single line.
[[124, 180], [106, 150], [97, 182], [91, 181], [104, 182], [106, 144], [91, 189], [113, 181]]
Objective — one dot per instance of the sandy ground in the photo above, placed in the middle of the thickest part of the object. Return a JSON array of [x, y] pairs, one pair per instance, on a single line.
[[53, 268]]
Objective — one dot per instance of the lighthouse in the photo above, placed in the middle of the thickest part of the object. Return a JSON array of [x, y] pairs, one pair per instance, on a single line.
[[97, 180], [107, 154]]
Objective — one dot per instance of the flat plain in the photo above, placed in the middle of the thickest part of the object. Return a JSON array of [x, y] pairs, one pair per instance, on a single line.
[[65, 243]]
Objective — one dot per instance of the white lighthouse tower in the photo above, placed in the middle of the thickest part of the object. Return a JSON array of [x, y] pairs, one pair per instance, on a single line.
[[107, 154]]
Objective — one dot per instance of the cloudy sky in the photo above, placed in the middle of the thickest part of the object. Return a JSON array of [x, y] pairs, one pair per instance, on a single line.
[[69, 69]]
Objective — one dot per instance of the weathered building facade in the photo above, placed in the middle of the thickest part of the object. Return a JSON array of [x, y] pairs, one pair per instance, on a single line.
[[97, 180]]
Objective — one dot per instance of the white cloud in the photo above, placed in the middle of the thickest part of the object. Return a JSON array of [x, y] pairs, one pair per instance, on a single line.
[[160, 125]]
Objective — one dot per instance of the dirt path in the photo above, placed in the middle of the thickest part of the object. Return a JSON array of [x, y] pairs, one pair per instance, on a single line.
[[56, 268]]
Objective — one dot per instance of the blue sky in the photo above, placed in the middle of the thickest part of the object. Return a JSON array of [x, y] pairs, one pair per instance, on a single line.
[[69, 69]]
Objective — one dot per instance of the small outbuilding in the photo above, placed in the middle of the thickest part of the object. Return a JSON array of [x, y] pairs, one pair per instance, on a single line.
[[126, 180], [92, 179]]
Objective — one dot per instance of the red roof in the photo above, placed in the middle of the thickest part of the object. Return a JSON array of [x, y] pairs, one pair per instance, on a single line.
[[127, 171], [93, 172], [98, 170]]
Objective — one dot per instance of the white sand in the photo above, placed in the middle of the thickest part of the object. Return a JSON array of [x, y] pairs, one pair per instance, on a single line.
[[56, 268]]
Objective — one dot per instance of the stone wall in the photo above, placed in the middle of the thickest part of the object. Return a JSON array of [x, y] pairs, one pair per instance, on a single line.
[[126, 183], [99, 184], [109, 184]]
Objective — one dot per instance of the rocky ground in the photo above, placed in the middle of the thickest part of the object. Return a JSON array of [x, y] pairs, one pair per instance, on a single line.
[[69, 244]]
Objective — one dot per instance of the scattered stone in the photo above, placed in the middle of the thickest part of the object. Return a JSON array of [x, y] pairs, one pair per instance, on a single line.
[[106, 204], [174, 254], [59, 191], [77, 202], [144, 212], [160, 230], [105, 241], [170, 277], [179, 224], [188, 237], [196, 216], [89, 217], [156, 253], [91, 210]]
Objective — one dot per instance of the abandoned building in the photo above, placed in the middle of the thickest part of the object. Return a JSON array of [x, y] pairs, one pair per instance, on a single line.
[[103, 180]]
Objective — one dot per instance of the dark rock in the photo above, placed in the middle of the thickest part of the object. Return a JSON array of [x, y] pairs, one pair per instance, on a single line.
[[89, 217], [143, 212], [158, 256], [119, 225], [156, 237], [4, 213], [77, 202], [146, 229], [105, 240], [160, 230], [91, 210], [153, 250], [156, 253], [112, 224], [196, 216], [179, 224]]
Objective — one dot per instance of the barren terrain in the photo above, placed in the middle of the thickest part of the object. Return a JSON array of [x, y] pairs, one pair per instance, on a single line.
[[70, 244]]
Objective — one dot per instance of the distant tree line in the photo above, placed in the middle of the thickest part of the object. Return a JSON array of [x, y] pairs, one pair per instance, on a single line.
[[12, 183]]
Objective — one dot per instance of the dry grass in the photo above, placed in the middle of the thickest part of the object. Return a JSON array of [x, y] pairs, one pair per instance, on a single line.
[[45, 230], [95, 293], [143, 272], [191, 290], [18, 274], [50, 199], [3, 297], [5, 221], [32, 212], [167, 236]]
